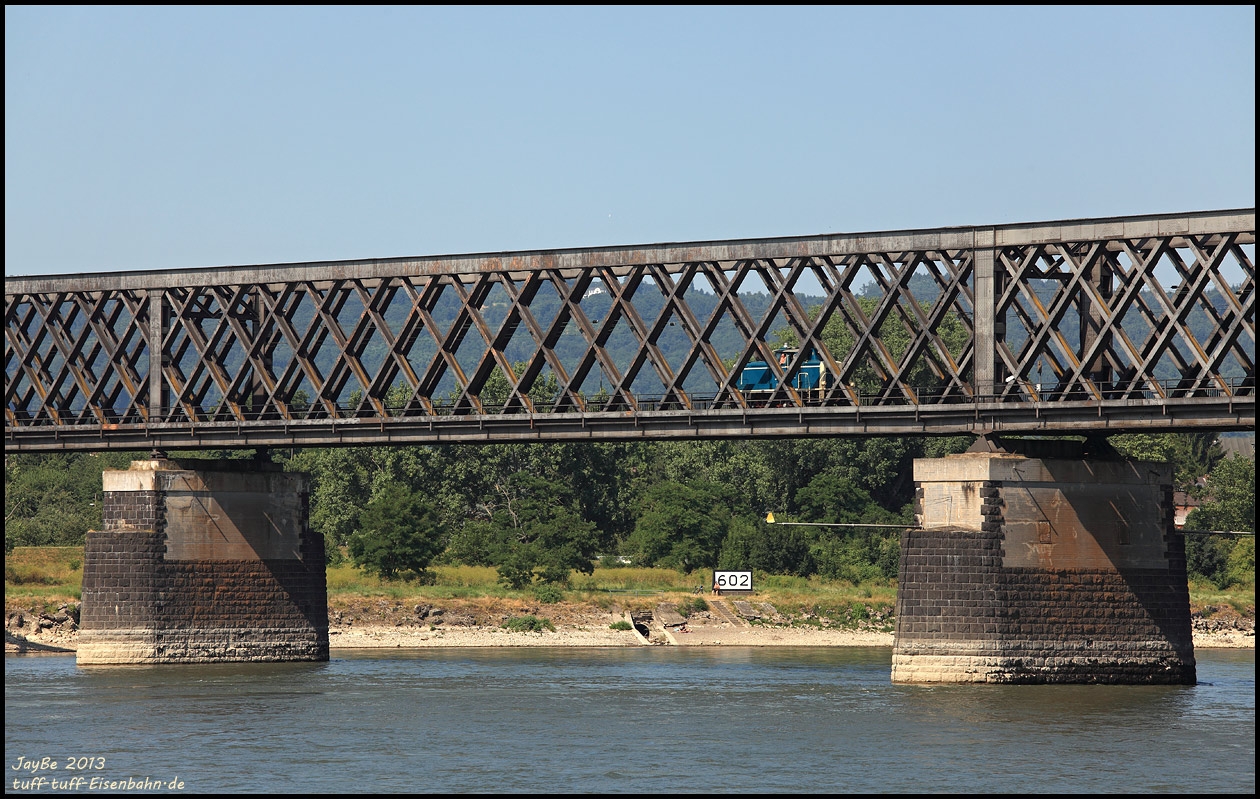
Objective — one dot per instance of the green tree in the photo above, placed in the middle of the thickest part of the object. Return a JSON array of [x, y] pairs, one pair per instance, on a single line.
[[1193, 455], [1231, 503], [857, 555], [940, 446], [476, 542], [832, 499], [1241, 564], [536, 534], [344, 479], [399, 534], [600, 475], [771, 548], [1231, 506], [341, 484], [53, 499], [854, 554], [680, 526], [517, 517]]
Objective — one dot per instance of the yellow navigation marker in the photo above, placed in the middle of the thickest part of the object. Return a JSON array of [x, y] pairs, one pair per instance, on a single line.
[[770, 517]]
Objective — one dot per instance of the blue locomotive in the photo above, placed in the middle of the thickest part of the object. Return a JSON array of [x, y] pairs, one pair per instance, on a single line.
[[757, 379]]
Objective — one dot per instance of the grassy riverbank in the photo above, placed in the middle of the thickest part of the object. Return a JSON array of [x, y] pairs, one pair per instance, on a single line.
[[44, 578]]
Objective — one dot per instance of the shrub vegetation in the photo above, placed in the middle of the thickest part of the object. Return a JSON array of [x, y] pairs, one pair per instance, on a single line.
[[529, 624]]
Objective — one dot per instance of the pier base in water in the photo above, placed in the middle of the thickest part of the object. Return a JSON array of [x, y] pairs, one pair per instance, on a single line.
[[202, 562], [1043, 570]]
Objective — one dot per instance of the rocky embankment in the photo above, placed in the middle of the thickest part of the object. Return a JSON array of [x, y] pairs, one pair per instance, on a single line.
[[1223, 627], [490, 622], [33, 630]]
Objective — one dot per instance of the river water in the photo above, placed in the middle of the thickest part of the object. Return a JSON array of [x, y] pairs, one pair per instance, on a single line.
[[617, 720]]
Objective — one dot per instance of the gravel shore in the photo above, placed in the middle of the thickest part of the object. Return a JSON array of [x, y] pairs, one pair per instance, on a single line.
[[383, 637], [703, 631], [474, 624], [367, 637]]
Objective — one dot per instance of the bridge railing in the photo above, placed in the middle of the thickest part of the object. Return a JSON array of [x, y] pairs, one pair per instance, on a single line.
[[1017, 391]]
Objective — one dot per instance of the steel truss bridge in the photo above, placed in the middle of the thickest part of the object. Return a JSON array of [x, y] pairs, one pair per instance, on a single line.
[[1142, 323]]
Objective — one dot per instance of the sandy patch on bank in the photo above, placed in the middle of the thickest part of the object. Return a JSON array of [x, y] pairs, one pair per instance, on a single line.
[[367, 637], [374, 637], [371, 637]]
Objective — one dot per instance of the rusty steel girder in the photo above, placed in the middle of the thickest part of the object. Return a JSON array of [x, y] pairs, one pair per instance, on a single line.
[[1141, 323]]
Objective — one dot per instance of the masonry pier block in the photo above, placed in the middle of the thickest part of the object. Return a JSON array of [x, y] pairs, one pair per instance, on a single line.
[[1039, 570], [203, 562]]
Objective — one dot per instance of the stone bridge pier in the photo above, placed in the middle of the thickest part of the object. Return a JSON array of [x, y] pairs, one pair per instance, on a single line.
[[1043, 566], [203, 561]]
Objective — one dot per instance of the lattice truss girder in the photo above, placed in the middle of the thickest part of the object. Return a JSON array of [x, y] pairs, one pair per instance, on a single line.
[[1076, 320], [1094, 320], [74, 358]]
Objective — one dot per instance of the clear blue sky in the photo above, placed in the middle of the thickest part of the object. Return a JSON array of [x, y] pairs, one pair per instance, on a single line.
[[164, 137]]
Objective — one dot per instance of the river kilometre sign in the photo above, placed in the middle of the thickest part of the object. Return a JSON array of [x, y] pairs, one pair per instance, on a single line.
[[733, 581]]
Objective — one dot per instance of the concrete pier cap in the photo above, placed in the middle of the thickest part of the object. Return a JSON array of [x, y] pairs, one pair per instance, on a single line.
[[1043, 570], [203, 561]]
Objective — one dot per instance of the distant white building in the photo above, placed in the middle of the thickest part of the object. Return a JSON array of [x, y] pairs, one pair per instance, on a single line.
[[1183, 503]]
